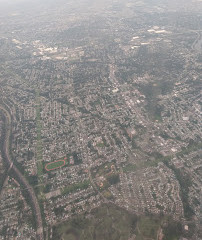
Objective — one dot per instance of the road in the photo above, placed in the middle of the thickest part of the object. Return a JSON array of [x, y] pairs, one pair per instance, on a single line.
[[21, 179], [197, 45]]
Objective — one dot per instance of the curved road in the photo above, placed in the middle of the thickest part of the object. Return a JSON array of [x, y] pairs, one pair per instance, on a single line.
[[22, 180], [197, 44]]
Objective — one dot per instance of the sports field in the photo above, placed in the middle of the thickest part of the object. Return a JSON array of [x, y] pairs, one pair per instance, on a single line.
[[55, 165]]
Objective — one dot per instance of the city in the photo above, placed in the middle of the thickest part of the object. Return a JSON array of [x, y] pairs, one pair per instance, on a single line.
[[100, 106]]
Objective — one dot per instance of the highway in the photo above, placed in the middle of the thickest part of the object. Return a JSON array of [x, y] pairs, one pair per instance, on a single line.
[[19, 177]]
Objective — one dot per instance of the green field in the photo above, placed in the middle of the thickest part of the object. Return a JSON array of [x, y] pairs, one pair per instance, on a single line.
[[100, 145], [108, 222], [74, 187], [147, 227], [54, 165], [129, 168]]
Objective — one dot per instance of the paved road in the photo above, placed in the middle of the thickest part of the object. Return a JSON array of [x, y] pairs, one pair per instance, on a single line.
[[197, 44], [22, 180]]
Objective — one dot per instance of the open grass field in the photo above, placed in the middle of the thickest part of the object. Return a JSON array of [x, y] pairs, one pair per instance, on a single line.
[[147, 228], [74, 187], [55, 165], [130, 168]]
